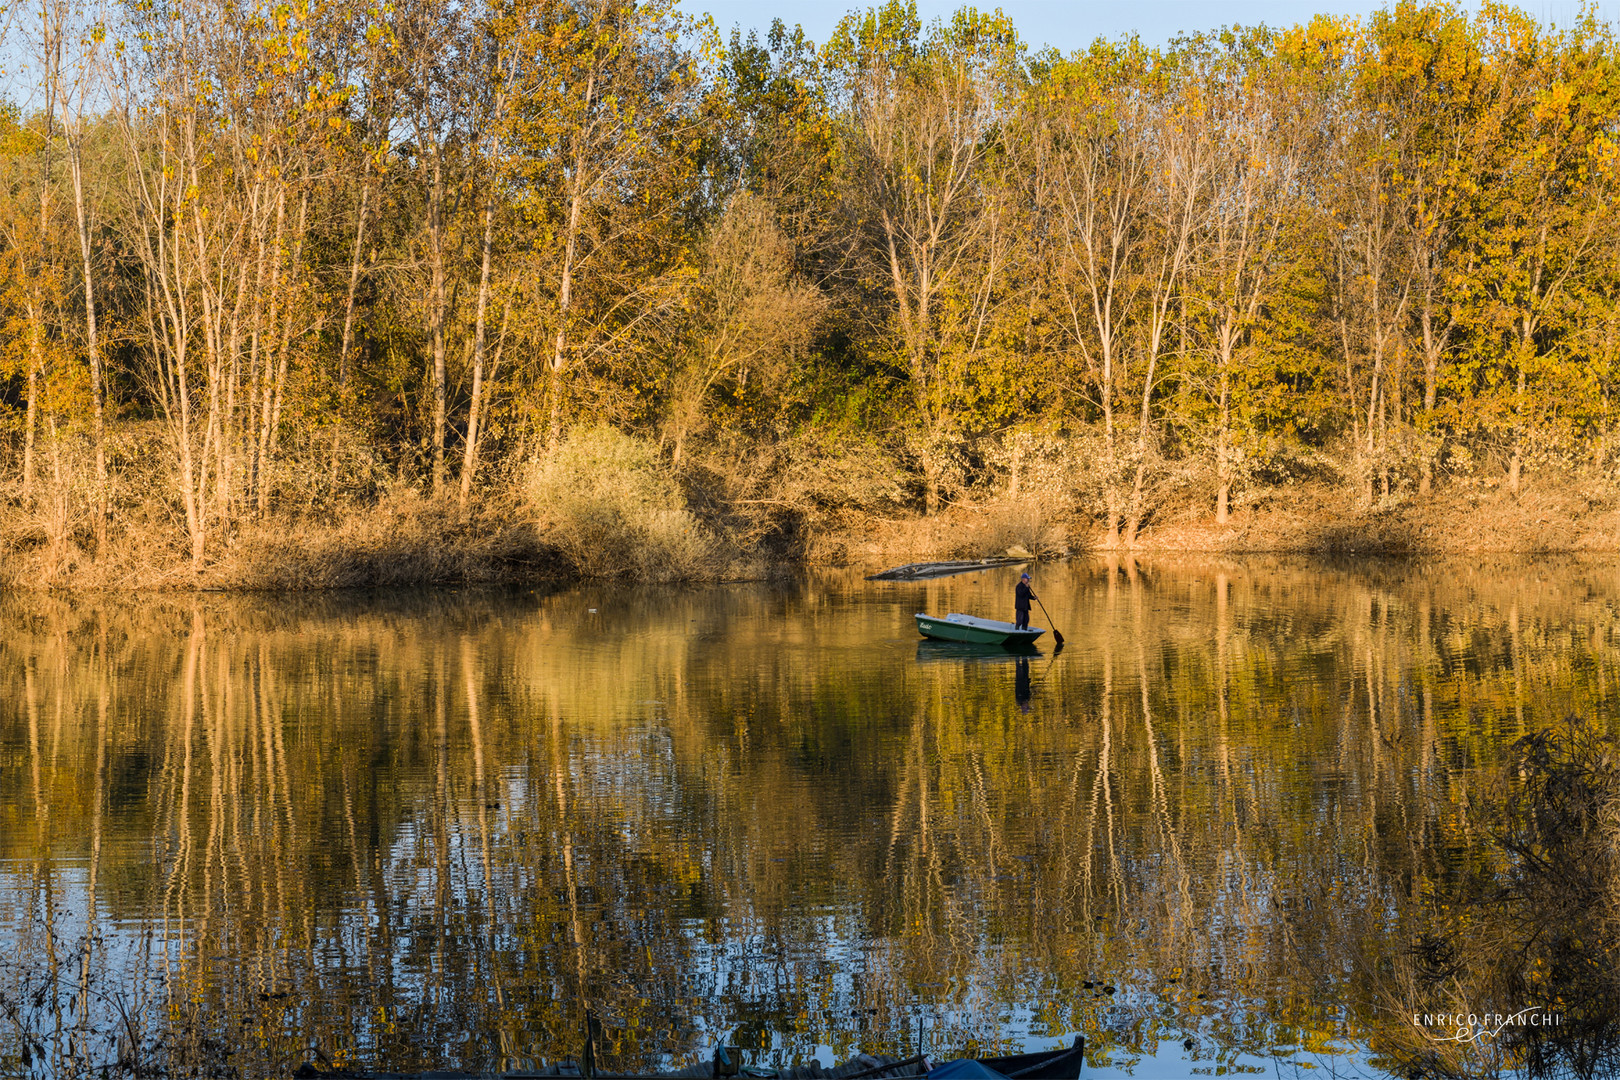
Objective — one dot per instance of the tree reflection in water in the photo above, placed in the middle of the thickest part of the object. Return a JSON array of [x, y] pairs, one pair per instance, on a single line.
[[429, 830]]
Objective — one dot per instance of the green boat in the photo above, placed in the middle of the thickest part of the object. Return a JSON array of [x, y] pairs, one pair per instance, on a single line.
[[955, 627]]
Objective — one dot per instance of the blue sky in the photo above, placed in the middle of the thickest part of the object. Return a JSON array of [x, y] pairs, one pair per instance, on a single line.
[[1066, 26], [1069, 26]]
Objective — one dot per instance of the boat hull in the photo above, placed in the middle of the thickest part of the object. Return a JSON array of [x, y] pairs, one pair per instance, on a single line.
[[974, 631], [1060, 1064]]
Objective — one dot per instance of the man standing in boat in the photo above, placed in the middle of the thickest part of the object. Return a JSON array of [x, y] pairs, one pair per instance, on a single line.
[[1021, 598]]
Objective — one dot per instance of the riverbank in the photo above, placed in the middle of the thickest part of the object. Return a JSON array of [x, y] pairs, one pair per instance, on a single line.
[[1294, 520], [407, 539], [1330, 521]]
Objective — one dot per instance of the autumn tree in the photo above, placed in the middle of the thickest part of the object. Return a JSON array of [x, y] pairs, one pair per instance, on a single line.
[[776, 138], [437, 40], [748, 315], [220, 167], [1426, 75], [921, 131], [1539, 238], [341, 246], [1093, 168], [1242, 98], [606, 128]]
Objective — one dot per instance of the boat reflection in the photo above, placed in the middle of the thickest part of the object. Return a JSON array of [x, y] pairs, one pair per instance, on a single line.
[[964, 652], [931, 651]]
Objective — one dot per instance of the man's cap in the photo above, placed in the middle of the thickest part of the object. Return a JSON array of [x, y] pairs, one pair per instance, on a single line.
[[1024, 576]]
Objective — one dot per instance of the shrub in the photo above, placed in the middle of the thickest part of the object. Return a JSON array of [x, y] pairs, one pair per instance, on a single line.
[[605, 501]]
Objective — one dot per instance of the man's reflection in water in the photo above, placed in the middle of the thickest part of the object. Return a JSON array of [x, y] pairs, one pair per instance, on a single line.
[[1021, 691]]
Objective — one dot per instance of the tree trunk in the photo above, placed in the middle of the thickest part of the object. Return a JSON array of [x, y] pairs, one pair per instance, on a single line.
[[32, 415], [1433, 345], [1223, 436], [914, 332], [51, 16], [236, 428], [1516, 463], [354, 274], [1370, 490], [58, 520], [31, 423], [211, 430], [1110, 451], [92, 344], [265, 353], [258, 355], [565, 285], [1133, 521], [436, 319], [469, 459], [196, 523], [278, 386], [1144, 434]]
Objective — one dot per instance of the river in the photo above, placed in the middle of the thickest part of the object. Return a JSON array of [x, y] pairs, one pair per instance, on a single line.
[[427, 829]]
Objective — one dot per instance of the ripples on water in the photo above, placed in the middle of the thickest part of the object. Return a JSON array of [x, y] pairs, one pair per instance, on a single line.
[[425, 830]]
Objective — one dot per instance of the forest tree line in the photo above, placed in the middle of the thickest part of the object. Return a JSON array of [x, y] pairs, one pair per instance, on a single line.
[[268, 260]]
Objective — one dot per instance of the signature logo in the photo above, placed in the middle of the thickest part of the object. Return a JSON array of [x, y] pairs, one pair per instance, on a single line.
[[1474, 1027]]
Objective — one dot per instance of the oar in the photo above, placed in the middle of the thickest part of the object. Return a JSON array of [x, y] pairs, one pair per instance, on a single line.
[[1056, 636]]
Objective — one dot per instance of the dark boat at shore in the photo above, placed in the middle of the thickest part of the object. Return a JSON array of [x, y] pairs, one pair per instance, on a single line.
[[1060, 1064]]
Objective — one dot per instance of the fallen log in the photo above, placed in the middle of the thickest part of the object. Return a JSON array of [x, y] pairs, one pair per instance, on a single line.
[[921, 571]]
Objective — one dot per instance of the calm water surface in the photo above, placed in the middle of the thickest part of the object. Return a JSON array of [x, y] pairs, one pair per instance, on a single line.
[[426, 830]]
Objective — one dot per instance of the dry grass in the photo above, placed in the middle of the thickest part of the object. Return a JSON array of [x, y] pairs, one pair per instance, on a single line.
[[339, 524], [1037, 526], [404, 540], [401, 539], [606, 505]]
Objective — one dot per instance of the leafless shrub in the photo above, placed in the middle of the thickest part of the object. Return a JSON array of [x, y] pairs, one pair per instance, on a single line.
[[325, 469], [1048, 463], [1031, 524], [802, 495]]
